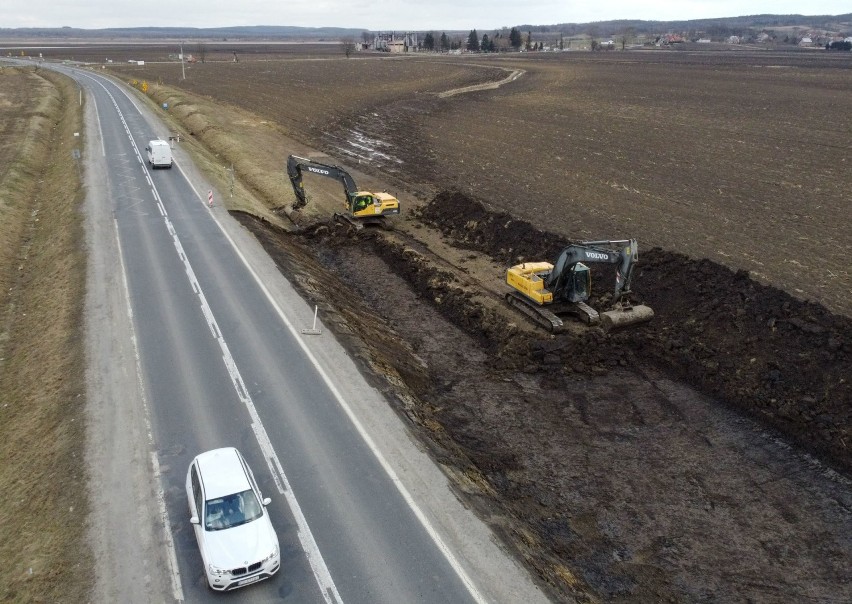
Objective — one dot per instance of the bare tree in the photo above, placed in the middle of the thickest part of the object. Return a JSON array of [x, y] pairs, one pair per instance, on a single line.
[[348, 46], [628, 36], [201, 51], [592, 31]]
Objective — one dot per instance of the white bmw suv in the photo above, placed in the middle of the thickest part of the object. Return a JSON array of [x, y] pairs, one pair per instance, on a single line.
[[237, 542]]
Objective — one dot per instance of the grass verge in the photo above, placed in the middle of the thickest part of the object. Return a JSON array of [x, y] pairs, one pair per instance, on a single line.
[[42, 358]]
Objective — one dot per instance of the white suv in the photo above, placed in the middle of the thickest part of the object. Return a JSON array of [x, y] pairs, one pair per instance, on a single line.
[[237, 542]]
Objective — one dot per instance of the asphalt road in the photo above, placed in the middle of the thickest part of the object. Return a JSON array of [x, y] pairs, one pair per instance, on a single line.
[[195, 343]]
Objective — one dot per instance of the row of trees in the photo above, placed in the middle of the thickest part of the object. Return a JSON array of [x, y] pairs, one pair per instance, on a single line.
[[500, 41], [847, 46], [496, 42]]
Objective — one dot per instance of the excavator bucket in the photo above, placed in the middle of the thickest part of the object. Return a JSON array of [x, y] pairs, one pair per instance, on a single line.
[[625, 316]]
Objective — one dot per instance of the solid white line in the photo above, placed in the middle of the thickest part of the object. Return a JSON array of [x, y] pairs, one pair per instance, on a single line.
[[174, 571], [171, 553], [321, 573], [306, 538], [100, 131], [403, 491], [424, 521]]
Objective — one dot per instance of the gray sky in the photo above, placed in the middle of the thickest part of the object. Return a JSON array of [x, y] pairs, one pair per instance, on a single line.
[[376, 15]]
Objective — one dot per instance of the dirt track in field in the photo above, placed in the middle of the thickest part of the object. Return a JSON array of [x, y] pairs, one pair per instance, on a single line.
[[702, 457]]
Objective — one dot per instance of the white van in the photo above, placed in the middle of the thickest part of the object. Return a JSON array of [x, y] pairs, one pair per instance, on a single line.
[[159, 154]]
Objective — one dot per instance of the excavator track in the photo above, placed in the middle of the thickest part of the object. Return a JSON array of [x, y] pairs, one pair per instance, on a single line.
[[347, 220], [539, 314], [359, 223], [583, 311]]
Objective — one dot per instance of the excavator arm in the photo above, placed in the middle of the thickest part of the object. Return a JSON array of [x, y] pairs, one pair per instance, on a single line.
[[362, 207], [295, 166]]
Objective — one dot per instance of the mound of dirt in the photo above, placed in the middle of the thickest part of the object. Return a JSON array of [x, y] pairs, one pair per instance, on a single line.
[[755, 347], [609, 480]]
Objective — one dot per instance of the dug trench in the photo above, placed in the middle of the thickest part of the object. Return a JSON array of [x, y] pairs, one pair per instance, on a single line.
[[699, 457]]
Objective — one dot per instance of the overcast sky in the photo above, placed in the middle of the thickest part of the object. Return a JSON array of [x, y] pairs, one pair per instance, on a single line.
[[420, 15]]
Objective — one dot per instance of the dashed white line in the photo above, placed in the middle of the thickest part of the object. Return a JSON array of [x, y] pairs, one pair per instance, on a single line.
[[403, 491], [306, 538]]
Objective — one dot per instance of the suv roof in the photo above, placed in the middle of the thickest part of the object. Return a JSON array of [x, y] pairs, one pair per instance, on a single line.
[[222, 472]]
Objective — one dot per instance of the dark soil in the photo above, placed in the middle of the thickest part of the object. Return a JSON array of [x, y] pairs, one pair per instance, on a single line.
[[643, 465], [703, 457], [752, 346]]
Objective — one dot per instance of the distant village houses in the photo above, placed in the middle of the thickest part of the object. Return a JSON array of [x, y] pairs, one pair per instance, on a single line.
[[391, 42], [669, 39]]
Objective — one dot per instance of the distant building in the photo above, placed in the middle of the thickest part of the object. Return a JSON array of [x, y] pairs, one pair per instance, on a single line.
[[734, 40], [393, 42], [669, 39], [806, 41]]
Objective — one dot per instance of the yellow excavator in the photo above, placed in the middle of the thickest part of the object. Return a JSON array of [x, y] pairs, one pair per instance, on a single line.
[[546, 292], [361, 207]]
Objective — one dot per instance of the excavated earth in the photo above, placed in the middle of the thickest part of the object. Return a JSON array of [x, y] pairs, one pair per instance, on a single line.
[[651, 464], [702, 457]]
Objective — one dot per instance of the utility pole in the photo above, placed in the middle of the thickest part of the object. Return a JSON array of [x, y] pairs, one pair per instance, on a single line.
[[182, 72]]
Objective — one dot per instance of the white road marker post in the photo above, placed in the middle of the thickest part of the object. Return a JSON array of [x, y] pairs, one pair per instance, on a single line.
[[210, 198], [313, 331]]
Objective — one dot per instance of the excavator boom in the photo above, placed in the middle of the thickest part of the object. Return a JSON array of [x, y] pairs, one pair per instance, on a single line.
[[362, 207], [296, 164]]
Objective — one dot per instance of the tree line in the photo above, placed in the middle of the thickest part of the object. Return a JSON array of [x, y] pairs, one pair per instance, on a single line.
[[494, 43]]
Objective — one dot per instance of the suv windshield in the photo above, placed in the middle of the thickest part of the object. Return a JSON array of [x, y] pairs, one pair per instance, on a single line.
[[232, 510]]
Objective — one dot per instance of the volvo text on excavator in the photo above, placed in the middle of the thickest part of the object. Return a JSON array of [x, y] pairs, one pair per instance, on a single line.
[[545, 291], [361, 207]]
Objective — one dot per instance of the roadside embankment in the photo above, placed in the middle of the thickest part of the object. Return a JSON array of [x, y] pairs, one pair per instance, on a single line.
[[42, 276]]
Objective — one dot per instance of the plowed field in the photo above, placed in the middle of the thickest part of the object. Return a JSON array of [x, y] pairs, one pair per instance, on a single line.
[[703, 457]]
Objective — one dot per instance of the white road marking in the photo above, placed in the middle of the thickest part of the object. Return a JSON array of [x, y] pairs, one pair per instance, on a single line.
[[403, 491], [323, 577], [174, 572]]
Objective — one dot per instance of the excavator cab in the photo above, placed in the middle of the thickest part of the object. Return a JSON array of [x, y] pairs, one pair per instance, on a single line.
[[581, 284], [361, 202], [365, 205]]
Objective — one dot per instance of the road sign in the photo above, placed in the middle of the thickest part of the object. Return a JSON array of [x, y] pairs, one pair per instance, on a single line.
[[210, 198]]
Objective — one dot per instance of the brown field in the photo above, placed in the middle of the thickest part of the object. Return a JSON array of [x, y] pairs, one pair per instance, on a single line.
[[671, 462], [736, 157]]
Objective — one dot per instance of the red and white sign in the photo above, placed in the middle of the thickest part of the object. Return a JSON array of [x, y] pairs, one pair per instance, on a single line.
[[210, 198]]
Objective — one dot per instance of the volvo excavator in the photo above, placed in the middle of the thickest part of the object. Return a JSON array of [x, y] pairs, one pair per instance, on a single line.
[[361, 207], [545, 292]]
